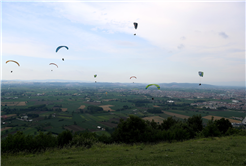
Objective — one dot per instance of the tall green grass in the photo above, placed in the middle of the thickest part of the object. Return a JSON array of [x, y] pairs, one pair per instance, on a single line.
[[224, 151]]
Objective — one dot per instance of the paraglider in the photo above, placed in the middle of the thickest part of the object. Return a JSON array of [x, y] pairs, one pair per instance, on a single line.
[[58, 48], [95, 75], [133, 77], [200, 73], [135, 26], [154, 85], [13, 61]]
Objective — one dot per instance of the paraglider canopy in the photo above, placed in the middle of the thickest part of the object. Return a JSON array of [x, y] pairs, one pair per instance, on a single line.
[[58, 48], [13, 61], [133, 77], [200, 73], [154, 85], [54, 64]]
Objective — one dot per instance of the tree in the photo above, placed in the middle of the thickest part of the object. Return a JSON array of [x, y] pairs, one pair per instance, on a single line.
[[211, 129], [134, 129], [223, 125], [195, 122], [168, 123]]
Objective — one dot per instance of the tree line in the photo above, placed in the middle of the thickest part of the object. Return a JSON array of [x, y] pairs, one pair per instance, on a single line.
[[132, 130]]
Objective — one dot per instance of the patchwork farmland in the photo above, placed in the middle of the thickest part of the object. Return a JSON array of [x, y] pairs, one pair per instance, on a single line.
[[55, 107]]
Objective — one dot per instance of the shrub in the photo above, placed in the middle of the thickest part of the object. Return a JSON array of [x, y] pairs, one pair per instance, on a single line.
[[64, 138]]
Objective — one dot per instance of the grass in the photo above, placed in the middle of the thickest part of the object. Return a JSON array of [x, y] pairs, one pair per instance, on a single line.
[[205, 151]]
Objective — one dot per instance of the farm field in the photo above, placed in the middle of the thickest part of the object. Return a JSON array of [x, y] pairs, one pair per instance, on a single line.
[[177, 115], [107, 107], [55, 107], [155, 118], [219, 117], [22, 103]]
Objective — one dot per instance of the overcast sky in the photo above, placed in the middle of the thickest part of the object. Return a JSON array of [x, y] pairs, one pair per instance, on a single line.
[[173, 41]]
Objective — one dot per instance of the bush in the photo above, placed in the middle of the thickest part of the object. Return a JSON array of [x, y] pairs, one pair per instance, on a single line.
[[85, 139], [64, 138], [211, 130]]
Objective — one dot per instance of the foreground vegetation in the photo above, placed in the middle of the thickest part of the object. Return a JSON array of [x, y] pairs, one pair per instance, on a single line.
[[132, 130], [224, 151]]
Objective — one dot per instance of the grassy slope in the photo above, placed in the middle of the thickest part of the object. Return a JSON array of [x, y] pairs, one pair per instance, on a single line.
[[217, 151]]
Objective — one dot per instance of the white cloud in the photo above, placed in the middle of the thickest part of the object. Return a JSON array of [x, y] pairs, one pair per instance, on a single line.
[[171, 37]]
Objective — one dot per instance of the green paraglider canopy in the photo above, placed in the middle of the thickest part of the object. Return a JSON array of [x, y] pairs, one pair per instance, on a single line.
[[200, 73], [154, 85]]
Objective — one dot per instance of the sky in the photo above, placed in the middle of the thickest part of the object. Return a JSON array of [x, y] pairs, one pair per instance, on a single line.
[[173, 41]]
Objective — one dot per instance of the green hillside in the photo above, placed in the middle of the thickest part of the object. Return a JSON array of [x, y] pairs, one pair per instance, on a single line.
[[203, 152]]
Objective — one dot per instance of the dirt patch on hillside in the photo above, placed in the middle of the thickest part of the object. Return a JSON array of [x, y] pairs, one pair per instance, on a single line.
[[106, 107], [209, 117], [176, 115], [155, 118], [74, 128], [5, 128], [64, 109], [82, 107]]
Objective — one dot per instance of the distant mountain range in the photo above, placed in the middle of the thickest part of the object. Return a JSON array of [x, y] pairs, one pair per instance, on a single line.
[[168, 85]]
